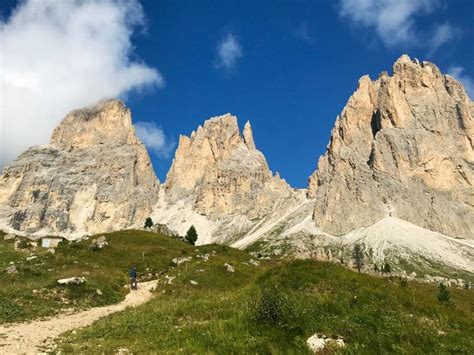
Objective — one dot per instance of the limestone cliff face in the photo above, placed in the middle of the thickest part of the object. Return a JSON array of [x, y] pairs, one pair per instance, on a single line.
[[222, 172], [94, 176], [402, 146]]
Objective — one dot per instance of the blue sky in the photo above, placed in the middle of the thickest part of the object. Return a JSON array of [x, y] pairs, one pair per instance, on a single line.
[[287, 66]]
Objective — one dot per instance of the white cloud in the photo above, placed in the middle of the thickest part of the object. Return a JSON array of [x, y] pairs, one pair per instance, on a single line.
[[60, 55], [466, 80], [441, 35], [394, 21], [228, 51], [154, 138]]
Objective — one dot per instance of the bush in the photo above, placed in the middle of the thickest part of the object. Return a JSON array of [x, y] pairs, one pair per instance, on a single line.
[[444, 296], [148, 222], [358, 255], [403, 282], [191, 235], [23, 244], [276, 308], [387, 269]]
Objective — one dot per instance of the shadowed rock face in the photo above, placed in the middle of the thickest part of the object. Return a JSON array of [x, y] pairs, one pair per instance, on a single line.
[[94, 176], [402, 146], [223, 173]]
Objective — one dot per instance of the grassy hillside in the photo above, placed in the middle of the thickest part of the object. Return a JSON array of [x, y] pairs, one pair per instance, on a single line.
[[270, 308], [33, 290]]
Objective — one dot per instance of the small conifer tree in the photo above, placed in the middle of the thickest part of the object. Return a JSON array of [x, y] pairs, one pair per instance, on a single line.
[[387, 269], [191, 235], [376, 268], [358, 256], [443, 294], [148, 222]]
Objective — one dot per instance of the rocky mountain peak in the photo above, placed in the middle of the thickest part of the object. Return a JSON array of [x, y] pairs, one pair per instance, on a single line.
[[95, 176], [222, 171], [108, 121], [402, 146]]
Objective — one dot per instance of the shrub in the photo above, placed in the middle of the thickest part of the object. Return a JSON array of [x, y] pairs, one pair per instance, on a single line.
[[276, 308], [387, 269], [191, 235], [444, 296], [403, 282], [23, 244], [148, 222], [358, 256]]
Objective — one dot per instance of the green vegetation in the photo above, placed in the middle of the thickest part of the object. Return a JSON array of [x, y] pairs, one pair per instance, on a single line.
[[148, 222], [191, 235], [358, 256], [270, 308], [33, 290], [443, 294]]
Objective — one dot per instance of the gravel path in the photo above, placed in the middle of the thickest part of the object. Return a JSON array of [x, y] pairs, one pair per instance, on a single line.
[[35, 336]]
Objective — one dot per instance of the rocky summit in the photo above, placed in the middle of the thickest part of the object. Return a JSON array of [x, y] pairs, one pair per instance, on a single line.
[[93, 176], [220, 179], [223, 172], [402, 147]]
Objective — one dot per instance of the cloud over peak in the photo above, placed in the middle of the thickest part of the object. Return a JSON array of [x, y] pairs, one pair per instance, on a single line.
[[154, 138], [229, 51], [62, 55], [394, 21]]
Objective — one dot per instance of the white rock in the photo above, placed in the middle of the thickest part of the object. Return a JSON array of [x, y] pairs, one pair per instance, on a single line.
[[317, 342], [9, 237], [193, 282], [11, 269], [229, 267], [254, 262], [72, 281], [99, 243], [180, 260]]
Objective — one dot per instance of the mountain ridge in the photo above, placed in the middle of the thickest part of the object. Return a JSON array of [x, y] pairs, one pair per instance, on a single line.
[[401, 148]]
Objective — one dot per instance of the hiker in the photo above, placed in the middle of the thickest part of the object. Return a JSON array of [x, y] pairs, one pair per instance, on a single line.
[[133, 278]]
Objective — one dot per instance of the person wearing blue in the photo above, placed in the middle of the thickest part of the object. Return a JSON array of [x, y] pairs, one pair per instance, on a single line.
[[133, 278]]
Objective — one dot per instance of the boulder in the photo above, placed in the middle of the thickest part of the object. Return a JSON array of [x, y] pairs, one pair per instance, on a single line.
[[229, 267], [72, 281], [11, 269], [317, 343], [99, 243], [180, 260]]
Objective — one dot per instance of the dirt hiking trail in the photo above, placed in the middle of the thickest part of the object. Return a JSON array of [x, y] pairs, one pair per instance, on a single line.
[[35, 336]]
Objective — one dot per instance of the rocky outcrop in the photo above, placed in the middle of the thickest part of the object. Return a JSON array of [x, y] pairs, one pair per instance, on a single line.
[[222, 172], [402, 147], [94, 176]]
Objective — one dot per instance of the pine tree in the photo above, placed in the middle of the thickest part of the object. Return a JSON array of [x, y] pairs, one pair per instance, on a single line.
[[443, 294], [148, 222], [191, 235], [387, 269], [358, 256], [376, 268]]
